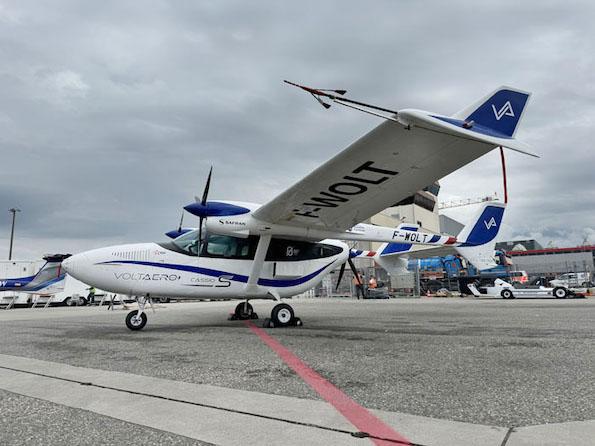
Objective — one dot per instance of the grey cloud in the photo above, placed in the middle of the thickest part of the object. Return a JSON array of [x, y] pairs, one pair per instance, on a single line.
[[112, 112]]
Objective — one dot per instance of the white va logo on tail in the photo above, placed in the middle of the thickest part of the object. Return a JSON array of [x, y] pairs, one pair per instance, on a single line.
[[490, 223], [505, 110]]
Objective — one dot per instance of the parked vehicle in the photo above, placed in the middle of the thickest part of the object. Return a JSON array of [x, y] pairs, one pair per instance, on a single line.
[[453, 272], [377, 293], [573, 280], [509, 291]]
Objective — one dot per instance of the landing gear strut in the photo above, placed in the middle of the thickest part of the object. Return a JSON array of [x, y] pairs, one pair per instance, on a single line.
[[243, 312], [137, 319], [282, 315]]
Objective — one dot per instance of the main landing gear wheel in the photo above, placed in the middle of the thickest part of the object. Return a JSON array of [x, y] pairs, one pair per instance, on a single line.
[[507, 294], [244, 311], [134, 321], [282, 315], [560, 292]]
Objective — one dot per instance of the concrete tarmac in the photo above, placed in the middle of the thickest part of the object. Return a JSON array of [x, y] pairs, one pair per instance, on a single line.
[[440, 371]]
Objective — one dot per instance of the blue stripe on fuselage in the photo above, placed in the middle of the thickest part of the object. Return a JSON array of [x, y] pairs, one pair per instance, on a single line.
[[19, 282], [216, 273]]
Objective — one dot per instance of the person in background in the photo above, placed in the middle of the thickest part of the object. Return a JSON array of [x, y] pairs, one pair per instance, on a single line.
[[372, 284], [358, 283], [91, 296]]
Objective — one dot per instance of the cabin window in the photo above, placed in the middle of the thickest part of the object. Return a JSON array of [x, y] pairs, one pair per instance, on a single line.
[[293, 250]]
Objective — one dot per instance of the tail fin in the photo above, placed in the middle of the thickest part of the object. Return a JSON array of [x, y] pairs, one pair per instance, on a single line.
[[479, 237], [50, 276], [499, 111]]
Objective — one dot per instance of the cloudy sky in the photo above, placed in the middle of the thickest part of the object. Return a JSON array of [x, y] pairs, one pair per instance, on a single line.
[[112, 112]]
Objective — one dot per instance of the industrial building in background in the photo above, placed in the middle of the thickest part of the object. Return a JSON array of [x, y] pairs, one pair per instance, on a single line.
[[552, 262]]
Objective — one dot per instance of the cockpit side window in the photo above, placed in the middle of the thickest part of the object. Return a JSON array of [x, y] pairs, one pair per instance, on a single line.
[[216, 246], [230, 247]]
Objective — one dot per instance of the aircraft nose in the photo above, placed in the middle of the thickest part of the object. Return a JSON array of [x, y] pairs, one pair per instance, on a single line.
[[73, 264]]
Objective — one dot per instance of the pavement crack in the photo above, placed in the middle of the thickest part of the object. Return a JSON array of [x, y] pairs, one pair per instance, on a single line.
[[356, 434], [507, 436]]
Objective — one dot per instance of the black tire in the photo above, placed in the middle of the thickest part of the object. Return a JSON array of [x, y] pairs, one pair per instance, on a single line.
[[560, 292], [68, 301], [506, 294], [164, 300], [135, 323], [282, 315], [241, 314]]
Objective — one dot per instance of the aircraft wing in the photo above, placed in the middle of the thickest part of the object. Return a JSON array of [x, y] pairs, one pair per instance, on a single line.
[[380, 169], [399, 157]]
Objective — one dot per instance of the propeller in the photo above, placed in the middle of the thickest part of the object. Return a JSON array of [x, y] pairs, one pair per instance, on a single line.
[[355, 274], [203, 202]]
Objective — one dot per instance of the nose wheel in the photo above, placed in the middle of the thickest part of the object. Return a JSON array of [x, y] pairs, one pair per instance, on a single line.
[[135, 321]]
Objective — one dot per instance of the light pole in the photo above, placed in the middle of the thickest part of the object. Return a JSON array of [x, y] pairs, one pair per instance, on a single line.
[[14, 214]]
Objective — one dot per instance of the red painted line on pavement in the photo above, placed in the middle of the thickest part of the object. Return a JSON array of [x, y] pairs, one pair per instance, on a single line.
[[357, 415]]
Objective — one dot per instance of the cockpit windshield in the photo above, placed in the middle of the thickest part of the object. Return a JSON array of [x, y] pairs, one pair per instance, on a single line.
[[188, 242]]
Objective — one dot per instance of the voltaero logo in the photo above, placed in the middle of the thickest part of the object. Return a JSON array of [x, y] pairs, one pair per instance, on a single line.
[[505, 110], [490, 223]]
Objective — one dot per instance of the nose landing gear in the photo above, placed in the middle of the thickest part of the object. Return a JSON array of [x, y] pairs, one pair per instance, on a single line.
[[137, 319], [134, 321]]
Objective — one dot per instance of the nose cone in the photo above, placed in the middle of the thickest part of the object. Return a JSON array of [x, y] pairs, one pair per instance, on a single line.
[[76, 264]]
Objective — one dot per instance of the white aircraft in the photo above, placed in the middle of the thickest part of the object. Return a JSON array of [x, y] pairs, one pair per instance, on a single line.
[[286, 246]]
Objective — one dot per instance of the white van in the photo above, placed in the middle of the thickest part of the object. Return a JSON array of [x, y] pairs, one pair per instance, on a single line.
[[573, 280]]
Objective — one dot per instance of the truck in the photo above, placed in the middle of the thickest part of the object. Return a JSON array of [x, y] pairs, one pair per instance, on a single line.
[[453, 272]]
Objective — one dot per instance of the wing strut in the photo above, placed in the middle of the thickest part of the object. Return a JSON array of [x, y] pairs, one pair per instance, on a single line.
[[261, 252]]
